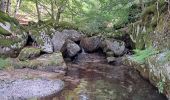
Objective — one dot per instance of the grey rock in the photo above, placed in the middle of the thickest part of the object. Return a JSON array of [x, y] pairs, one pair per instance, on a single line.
[[90, 44], [27, 89], [58, 40], [115, 46], [70, 48], [73, 35]]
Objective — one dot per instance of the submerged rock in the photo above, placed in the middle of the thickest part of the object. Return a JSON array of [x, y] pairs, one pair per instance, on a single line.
[[111, 59], [28, 89], [90, 44], [70, 48], [29, 53]]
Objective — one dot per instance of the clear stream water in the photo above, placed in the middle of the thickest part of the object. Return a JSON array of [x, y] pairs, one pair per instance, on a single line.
[[90, 77]]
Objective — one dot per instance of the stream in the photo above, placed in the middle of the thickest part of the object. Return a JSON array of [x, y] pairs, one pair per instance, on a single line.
[[90, 77]]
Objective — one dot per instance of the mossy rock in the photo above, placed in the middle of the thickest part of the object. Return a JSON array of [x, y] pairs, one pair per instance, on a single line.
[[48, 62], [29, 53], [4, 63], [42, 40], [159, 66], [12, 36]]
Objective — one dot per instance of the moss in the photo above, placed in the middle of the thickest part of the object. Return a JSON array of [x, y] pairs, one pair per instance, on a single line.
[[4, 32], [7, 42], [29, 53], [54, 59], [4, 63], [149, 10], [65, 25]]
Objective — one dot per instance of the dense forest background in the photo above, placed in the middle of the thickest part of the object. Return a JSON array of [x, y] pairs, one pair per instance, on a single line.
[[89, 15]]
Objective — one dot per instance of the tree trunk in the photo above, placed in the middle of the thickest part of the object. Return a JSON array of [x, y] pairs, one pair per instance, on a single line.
[[61, 10], [17, 7], [8, 10], [38, 11], [52, 10], [3, 5]]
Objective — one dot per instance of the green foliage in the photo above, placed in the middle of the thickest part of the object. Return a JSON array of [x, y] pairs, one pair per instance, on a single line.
[[65, 25], [4, 63], [141, 55], [6, 18], [160, 85], [8, 42]]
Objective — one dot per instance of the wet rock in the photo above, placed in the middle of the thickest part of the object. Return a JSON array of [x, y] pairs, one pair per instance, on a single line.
[[42, 40], [159, 72], [142, 68], [90, 44], [70, 48], [12, 39], [109, 54], [59, 40], [29, 53], [111, 59], [28, 89], [155, 69], [115, 46], [48, 62], [73, 35], [27, 73]]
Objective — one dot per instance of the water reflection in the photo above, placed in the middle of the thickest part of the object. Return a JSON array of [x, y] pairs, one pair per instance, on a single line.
[[98, 80]]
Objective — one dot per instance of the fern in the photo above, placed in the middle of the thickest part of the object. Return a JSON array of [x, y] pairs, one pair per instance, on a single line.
[[141, 55]]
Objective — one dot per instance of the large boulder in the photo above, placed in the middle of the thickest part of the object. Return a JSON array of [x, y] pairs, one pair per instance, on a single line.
[[90, 44], [29, 89], [115, 46], [73, 35], [59, 40], [12, 36], [159, 72], [29, 53], [42, 40], [70, 48], [156, 69]]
